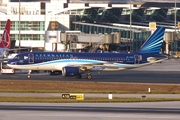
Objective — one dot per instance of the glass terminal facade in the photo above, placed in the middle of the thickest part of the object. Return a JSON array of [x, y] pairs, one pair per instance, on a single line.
[[25, 26], [101, 20]]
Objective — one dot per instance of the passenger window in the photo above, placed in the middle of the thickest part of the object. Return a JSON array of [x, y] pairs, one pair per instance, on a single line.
[[21, 57]]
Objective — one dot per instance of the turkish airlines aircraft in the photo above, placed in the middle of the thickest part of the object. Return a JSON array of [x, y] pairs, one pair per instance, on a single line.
[[5, 41], [5, 44]]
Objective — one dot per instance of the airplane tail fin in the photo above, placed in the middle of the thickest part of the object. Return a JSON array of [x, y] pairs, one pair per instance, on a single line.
[[5, 42], [154, 43]]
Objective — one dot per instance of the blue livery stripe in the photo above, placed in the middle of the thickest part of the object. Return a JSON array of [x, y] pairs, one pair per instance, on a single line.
[[154, 43], [83, 61]]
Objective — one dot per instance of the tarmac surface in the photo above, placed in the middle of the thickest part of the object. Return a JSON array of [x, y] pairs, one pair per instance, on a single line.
[[168, 77], [90, 111], [167, 72]]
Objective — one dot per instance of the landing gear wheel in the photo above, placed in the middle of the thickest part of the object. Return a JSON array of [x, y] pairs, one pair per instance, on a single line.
[[78, 76], [29, 74], [89, 76]]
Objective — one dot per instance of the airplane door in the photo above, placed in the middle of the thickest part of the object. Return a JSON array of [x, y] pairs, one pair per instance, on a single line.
[[137, 59], [31, 58]]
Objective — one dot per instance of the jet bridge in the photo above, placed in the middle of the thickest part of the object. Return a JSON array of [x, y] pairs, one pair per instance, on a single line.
[[77, 40]]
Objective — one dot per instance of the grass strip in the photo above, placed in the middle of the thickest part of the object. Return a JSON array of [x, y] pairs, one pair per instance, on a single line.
[[85, 87]]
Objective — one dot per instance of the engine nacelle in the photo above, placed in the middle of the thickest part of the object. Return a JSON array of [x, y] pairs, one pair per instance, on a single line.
[[151, 59], [70, 71]]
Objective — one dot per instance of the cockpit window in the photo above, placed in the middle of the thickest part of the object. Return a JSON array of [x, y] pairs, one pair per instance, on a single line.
[[17, 57]]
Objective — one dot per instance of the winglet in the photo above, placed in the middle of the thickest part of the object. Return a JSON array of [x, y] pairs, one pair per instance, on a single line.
[[154, 43], [5, 42]]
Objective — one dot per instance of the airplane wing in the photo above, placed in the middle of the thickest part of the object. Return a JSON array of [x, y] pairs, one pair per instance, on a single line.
[[17, 49], [4, 59], [84, 67], [110, 66], [119, 66]]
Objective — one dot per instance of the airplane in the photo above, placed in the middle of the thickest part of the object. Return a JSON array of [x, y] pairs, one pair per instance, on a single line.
[[76, 64], [5, 44]]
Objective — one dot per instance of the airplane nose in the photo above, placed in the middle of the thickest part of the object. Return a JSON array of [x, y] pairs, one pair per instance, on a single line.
[[12, 62], [9, 61]]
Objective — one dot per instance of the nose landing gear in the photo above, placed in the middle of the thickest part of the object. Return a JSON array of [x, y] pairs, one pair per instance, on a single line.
[[29, 74]]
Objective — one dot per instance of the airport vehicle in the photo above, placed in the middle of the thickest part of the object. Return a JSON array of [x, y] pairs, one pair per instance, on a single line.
[[75, 64], [5, 69]]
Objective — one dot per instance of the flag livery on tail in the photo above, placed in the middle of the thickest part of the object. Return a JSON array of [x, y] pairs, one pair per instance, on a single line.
[[5, 41]]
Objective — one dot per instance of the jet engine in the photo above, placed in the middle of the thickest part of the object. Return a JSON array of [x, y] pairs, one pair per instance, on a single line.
[[70, 71]]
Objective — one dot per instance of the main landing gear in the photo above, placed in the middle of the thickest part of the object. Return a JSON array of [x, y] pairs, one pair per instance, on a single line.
[[88, 76]]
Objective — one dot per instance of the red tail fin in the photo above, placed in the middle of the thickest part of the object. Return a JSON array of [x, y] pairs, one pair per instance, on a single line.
[[5, 42]]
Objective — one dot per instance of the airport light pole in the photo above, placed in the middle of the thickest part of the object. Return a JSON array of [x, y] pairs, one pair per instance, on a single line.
[[175, 24], [130, 25], [175, 16], [19, 24]]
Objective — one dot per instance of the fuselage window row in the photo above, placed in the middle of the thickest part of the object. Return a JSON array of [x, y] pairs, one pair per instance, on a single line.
[[107, 59]]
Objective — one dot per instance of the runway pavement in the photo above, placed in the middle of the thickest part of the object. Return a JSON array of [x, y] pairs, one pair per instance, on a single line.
[[90, 111], [167, 72]]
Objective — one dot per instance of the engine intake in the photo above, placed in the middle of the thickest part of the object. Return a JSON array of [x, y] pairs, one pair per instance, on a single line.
[[70, 71]]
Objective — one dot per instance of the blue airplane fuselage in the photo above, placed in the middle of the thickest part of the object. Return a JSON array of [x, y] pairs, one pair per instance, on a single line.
[[123, 58]]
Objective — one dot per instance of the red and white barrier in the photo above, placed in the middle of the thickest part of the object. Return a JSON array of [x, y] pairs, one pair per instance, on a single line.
[[7, 70]]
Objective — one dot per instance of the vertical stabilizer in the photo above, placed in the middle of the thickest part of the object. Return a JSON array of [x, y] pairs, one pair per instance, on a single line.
[[5, 41], [154, 43]]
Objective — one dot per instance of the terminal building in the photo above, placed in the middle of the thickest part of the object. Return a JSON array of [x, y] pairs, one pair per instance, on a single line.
[[61, 25]]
